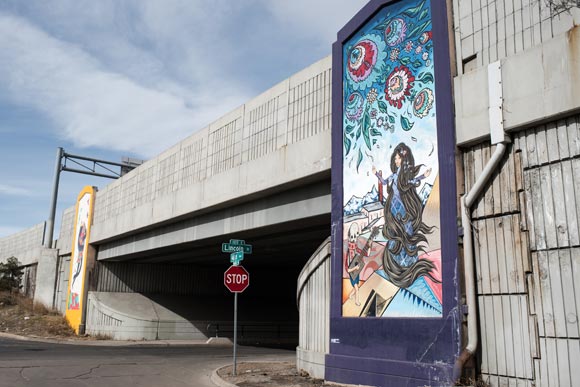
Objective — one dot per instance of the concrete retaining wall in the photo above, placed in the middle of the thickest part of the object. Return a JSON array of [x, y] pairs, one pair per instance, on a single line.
[[133, 316], [24, 245], [313, 299]]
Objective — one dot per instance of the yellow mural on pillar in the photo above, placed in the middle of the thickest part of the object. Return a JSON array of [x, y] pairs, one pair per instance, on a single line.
[[79, 254]]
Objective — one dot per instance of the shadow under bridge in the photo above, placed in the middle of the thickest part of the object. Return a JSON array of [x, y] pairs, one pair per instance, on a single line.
[[176, 290]]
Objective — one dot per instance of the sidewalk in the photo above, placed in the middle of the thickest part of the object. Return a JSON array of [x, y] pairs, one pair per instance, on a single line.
[[267, 374], [221, 341]]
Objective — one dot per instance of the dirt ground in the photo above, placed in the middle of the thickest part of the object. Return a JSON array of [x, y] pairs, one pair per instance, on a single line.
[[279, 374], [284, 374], [19, 316]]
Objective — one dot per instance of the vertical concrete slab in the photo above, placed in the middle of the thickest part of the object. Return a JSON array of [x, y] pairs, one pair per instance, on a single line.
[[46, 277]]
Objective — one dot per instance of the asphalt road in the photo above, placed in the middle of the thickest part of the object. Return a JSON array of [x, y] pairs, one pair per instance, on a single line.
[[26, 363]]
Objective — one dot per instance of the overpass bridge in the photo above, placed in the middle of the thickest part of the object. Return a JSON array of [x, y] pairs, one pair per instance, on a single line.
[[259, 173]]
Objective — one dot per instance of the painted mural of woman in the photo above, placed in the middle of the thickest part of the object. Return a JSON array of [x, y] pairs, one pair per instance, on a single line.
[[404, 229], [81, 239]]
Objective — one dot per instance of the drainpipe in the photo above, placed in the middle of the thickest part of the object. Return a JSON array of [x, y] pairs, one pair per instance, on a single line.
[[498, 138]]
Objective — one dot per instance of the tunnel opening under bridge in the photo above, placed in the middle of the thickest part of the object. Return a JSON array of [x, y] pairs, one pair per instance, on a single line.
[[178, 292]]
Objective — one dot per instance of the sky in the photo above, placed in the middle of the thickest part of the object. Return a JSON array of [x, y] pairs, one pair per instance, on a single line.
[[129, 78]]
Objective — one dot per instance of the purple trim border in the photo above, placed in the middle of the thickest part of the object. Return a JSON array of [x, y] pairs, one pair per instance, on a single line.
[[379, 351]]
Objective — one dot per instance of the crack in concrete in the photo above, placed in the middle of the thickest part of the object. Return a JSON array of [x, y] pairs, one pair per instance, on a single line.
[[86, 373], [22, 374], [451, 314], [97, 367], [125, 376], [418, 360]]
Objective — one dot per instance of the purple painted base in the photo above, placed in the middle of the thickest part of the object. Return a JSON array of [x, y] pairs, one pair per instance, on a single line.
[[386, 373]]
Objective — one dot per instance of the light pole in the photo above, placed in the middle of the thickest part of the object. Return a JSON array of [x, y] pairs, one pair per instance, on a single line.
[[50, 223], [87, 170]]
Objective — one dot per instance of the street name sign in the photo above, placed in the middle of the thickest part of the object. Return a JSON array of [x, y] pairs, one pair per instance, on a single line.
[[237, 248], [236, 245]]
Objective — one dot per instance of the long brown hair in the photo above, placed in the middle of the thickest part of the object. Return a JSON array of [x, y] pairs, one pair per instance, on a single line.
[[394, 230]]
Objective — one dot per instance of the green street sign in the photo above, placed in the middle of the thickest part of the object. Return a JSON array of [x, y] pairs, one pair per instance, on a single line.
[[236, 258], [235, 246]]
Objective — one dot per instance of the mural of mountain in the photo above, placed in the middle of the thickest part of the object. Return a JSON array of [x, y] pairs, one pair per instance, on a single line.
[[354, 204]]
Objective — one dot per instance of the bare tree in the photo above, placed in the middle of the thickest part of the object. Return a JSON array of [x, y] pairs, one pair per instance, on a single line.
[[558, 6]]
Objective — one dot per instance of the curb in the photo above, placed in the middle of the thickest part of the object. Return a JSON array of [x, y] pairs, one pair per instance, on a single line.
[[218, 381], [212, 341], [220, 341]]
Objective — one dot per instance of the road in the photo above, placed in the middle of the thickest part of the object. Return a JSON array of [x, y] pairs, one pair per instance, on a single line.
[[26, 363]]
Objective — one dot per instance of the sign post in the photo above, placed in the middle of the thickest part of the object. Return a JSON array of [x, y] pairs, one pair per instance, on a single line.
[[236, 279], [235, 333]]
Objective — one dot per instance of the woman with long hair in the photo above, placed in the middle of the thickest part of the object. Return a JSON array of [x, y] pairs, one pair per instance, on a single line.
[[404, 229]]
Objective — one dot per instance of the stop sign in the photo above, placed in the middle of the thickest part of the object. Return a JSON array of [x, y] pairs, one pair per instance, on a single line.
[[236, 279]]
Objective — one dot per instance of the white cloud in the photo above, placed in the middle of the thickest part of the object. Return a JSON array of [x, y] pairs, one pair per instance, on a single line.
[[14, 191], [93, 106], [316, 20], [140, 75]]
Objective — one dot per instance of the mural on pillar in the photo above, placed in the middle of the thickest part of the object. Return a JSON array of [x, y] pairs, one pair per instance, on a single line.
[[391, 242], [79, 252]]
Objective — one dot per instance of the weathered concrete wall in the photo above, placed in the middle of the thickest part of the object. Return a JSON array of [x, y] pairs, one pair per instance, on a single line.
[[64, 242], [25, 245], [540, 56], [503, 266], [134, 316], [313, 300], [490, 30], [526, 222], [291, 205], [538, 83], [46, 277], [527, 257], [186, 279], [63, 271], [551, 166]]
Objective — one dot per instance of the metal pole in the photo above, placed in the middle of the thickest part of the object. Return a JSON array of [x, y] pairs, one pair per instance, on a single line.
[[50, 222], [235, 330]]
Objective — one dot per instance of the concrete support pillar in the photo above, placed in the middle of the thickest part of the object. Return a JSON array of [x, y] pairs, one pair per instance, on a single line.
[[46, 277]]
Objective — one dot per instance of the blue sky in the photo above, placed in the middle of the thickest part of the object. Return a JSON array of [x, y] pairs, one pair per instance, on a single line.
[[113, 78]]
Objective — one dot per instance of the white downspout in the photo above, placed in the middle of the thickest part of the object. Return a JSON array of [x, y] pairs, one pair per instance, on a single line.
[[498, 138]]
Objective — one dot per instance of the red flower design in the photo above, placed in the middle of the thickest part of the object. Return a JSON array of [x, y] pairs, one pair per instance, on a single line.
[[399, 83], [362, 59]]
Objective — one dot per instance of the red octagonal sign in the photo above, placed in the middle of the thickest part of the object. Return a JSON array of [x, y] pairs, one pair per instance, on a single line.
[[236, 279]]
